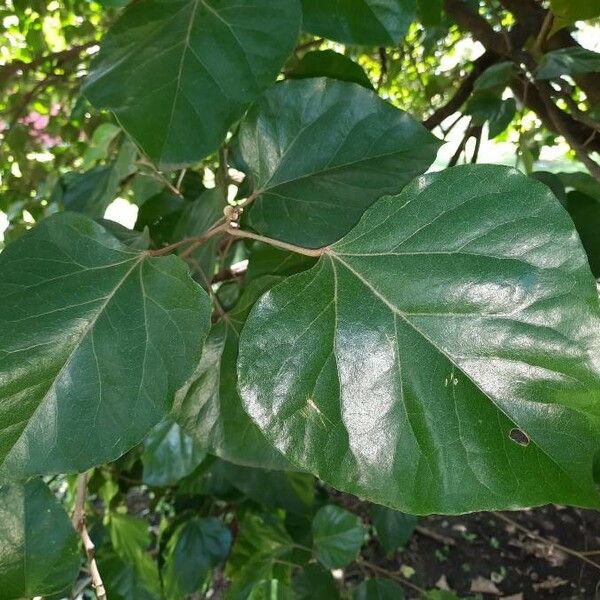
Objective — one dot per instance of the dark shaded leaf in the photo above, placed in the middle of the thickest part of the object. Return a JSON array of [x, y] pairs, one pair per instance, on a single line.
[[169, 454], [338, 536], [394, 528], [320, 152], [39, 549], [327, 63], [196, 547]]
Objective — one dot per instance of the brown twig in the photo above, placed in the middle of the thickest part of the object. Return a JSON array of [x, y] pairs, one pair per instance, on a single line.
[[546, 541], [80, 526], [391, 575], [434, 535]]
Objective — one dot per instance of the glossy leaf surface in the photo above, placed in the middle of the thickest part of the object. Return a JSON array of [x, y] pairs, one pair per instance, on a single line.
[[443, 356], [321, 151], [372, 22], [95, 338], [177, 74], [169, 454], [39, 549]]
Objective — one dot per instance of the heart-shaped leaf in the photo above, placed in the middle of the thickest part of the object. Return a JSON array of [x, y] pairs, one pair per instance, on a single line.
[[95, 339], [178, 73], [442, 357], [320, 152]]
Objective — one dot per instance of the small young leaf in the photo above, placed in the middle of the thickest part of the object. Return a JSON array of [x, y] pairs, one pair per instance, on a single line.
[[130, 540], [400, 366], [95, 338], [196, 547], [369, 22], [320, 152], [338, 536], [271, 589], [262, 540], [394, 528], [39, 549], [178, 73]]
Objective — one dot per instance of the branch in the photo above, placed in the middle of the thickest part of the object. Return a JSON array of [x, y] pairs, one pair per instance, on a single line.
[[467, 19], [80, 526], [18, 66], [462, 93]]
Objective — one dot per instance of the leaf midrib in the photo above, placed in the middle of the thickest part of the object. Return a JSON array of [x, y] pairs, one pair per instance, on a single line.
[[395, 310], [76, 347]]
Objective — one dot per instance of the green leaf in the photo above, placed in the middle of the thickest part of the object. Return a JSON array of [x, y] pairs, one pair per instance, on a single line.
[[369, 22], [271, 589], [84, 317], [92, 191], [315, 577], [585, 212], [208, 406], [338, 536], [261, 541], [442, 357], [378, 589], [291, 491], [178, 73], [570, 11], [196, 218], [496, 76], [169, 454], [136, 240], [394, 528], [582, 182], [321, 151], [327, 63], [568, 61], [489, 106], [39, 549], [196, 547], [124, 582], [430, 12], [130, 540], [161, 214], [267, 260]]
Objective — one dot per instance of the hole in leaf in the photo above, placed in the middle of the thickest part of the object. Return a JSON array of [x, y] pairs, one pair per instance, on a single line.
[[519, 436]]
